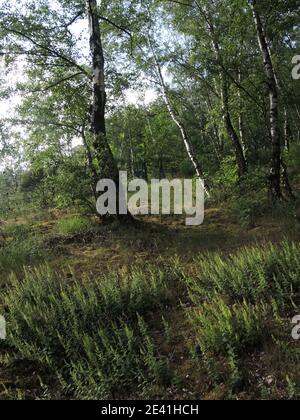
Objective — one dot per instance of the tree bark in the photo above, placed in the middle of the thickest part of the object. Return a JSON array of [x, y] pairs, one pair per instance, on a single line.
[[107, 165], [287, 131], [275, 172], [241, 118], [238, 148]]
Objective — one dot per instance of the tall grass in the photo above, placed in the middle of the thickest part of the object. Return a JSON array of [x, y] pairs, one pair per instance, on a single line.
[[93, 334], [20, 245], [254, 274], [106, 337], [243, 303], [75, 225]]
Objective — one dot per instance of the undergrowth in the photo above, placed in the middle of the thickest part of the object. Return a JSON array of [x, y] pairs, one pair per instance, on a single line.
[[20, 246], [93, 334], [244, 303], [106, 337]]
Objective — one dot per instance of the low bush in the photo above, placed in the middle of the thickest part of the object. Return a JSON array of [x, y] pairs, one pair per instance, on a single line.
[[248, 200]]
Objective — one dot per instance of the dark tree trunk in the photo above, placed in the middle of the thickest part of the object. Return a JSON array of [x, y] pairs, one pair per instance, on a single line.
[[286, 183], [287, 131], [241, 118], [162, 173], [238, 148], [231, 132], [107, 165], [275, 172]]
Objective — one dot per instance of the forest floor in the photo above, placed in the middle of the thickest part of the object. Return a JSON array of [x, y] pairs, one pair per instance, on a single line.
[[154, 241]]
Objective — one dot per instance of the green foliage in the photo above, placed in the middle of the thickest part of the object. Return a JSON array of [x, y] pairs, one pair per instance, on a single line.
[[75, 225], [19, 246], [293, 161], [93, 334], [220, 326], [110, 336], [226, 178], [240, 304], [254, 274], [247, 199], [103, 337], [10, 200]]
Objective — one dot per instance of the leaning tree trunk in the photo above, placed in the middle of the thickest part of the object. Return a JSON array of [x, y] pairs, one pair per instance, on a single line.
[[102, 152], [231, 132], [275, 173], [175, 117], [238, 148]]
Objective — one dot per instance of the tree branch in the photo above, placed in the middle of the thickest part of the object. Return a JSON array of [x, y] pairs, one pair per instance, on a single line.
[[58, 82], [51, 51], [66, 25], [121, 28]]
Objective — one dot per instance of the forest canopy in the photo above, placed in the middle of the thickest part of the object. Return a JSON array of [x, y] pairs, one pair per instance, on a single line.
[[188, 88]]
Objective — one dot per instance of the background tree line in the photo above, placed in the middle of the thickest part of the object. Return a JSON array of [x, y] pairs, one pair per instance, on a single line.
[[225, 106]]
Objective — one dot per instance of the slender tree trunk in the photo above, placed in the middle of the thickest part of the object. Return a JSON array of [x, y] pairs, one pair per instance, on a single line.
[[275, 173], [238, 148], [287, 131], [285, 180], [175, 117], [241, 118], [102, 152], [101, 147], [232, 134], [131, 157], [145, 171], [90, 163], [217, 140]]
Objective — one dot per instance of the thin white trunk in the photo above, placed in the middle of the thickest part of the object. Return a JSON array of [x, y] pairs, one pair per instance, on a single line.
[[187, 143]]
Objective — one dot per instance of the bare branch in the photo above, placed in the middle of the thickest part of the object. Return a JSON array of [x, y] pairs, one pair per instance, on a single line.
[[121, 28], [58, 82]]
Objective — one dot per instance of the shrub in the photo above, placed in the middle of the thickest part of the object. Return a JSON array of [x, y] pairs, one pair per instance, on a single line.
[[220, 327], [240, 300], [243, 303]]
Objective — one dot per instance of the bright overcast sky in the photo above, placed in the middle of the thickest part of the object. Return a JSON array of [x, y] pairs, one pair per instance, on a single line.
[[7, 107]]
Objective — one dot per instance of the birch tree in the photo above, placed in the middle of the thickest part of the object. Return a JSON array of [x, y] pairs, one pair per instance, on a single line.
[[176, 118], [275, 191]]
